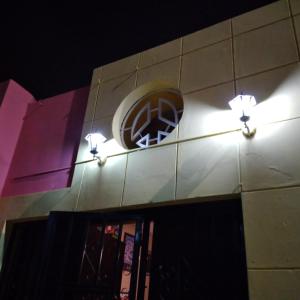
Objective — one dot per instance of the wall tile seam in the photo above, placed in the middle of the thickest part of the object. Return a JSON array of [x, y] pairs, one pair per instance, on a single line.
[[164, 144], [136, 74], [295, 62], [94, 107], [180, 66], [127, 75], [104, 118], [233, 57], [124, 182], [194, 50], [296, 38], [80, 188], [213, 43], [206, 46], [179, 84], [117, 86], [138, 68], [282, 187], [99, 77], [191, 51], [207, 87], [289, 7], [159, 63], [238, 158], [294, 27], [222, 83], [176, 171], [288, 2], [132, 73], [278, 269], [178, 141], [239, 169], [262, 26], [296, 14], [208, 197], [291, 10]]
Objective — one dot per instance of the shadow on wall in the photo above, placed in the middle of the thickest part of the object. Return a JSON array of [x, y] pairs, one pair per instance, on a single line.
[[206, 167]]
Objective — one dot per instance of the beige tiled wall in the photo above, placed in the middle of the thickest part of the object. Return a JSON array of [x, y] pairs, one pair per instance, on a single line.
[[253, 52], [273, 158], [111, 94], [207, 67], [260, 17], [272, 228], [165, 71], [207, 155], [209, 36], [102, 187], [202, 109], [161, 53], [150, 176], [274, 285], [208, 167]]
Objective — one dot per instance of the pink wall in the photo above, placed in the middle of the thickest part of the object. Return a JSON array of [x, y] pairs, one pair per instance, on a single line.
[[48, 144], [3, 86], [12, 110]]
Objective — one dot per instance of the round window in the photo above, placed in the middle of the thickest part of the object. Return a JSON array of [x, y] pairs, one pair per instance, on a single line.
[[151, 119]]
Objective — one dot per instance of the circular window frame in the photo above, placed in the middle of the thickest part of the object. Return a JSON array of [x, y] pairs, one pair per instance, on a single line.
[[131, 100]]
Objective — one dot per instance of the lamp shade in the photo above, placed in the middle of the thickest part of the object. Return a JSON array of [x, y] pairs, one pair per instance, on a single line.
[[95, 140], [242, 106]]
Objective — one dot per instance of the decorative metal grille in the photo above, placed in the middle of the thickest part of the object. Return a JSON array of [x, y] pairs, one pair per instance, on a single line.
[[152, 119]]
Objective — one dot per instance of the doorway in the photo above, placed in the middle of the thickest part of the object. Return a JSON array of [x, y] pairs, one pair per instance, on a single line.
[[180, 252]]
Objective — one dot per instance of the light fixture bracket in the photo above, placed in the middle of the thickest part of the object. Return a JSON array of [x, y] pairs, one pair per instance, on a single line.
[[96, 141], [242, 106], [101, 160]]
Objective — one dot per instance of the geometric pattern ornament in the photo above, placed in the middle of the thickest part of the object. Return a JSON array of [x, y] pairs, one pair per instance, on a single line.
[[150, 121]]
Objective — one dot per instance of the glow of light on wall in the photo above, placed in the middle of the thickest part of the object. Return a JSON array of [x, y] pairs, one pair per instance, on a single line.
[[282, 103], [275, 108], [96, 141], [112, 147], [218, 121], [206, 115]]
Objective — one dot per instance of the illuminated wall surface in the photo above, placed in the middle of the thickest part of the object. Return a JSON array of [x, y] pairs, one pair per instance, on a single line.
[[257, 53]]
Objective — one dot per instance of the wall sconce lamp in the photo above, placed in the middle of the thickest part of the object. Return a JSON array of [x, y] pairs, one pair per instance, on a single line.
[[242, 106], [95, 141]]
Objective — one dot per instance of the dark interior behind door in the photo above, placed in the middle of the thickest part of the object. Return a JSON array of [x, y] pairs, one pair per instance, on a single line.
[[197, 253]]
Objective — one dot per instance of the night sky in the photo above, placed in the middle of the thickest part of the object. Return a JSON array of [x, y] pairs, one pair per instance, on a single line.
[[52, 49]]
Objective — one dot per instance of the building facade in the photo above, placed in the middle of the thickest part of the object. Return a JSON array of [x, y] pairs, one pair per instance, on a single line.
[[206, 157]]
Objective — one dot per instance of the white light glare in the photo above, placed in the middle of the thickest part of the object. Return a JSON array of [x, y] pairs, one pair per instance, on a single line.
[[95, 140], [242, 106]]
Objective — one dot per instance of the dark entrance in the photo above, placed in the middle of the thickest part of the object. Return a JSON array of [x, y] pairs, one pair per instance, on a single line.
[[177, 252]]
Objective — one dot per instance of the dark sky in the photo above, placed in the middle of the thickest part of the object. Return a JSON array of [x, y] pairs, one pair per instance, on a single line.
[[52, 49]]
